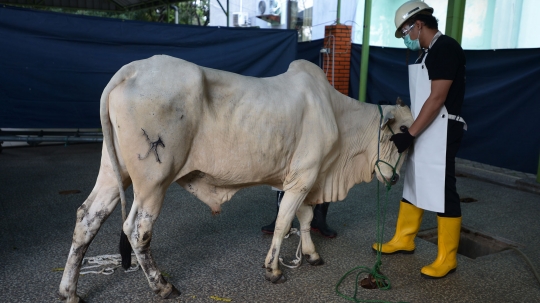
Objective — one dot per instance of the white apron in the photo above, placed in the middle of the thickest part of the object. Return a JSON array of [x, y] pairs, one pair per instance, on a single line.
[[426, 162]]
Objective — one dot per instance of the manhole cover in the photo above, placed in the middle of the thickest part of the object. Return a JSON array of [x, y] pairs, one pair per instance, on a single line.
[[69, 192], [472, 244]]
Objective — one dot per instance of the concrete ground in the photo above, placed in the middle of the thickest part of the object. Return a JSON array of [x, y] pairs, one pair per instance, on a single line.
[[219, 258]]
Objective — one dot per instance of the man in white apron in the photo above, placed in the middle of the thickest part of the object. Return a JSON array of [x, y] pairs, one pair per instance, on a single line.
[[437, 88]]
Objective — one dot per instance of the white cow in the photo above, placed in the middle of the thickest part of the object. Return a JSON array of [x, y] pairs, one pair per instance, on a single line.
[[166, 120]]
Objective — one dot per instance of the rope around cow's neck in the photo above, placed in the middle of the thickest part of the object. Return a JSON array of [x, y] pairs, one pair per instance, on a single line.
[[387, 183], [382, 281]]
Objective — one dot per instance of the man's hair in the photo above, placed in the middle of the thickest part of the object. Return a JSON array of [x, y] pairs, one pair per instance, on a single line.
[[429, 20]]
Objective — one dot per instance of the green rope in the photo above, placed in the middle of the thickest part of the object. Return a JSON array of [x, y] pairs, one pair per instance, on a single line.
[[383, 283]]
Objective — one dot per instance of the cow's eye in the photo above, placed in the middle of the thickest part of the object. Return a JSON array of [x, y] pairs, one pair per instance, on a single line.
[[403, 128]]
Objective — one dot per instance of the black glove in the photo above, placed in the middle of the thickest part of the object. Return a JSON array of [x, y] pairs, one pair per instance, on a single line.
[[402, 140]]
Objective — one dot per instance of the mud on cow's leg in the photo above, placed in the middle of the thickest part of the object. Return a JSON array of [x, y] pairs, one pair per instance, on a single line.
[[138, 228], [90, 215], [305, 215], [287, 209]]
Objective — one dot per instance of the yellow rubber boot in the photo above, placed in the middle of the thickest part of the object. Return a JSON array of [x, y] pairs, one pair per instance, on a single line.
[[449, 233], [407, 226]]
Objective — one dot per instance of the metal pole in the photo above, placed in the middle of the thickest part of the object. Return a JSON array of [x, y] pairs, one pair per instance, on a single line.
[[227, 13], [454, 19], [457, 26], [338, 11], [175, 13], [288, 17], [365, 52]]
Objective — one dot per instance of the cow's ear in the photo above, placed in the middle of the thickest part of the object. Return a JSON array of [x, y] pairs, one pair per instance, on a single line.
[[388, 117]]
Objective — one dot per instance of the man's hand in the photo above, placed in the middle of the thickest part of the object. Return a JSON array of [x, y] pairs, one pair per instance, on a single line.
[[402, 140]]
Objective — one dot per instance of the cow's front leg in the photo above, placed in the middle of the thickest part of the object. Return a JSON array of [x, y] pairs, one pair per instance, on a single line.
[[90, 215], [287, 209], [305, 215], [138, 228]]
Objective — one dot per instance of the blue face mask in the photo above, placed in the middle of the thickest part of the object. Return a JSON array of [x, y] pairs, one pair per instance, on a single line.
[[413, 45]]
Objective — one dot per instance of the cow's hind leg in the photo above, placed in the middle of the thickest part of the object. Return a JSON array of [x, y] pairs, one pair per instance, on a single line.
[[305, 215], [138, 228], [90, 215]]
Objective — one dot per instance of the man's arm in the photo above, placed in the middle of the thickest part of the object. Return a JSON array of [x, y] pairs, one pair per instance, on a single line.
[[430, 109], [432, 106]]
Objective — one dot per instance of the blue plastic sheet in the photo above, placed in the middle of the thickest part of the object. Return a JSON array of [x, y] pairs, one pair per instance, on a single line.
[[54, 66], [501, 107], [310, 51]]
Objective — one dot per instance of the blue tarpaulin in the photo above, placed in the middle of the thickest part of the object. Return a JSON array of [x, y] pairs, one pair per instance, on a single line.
[[310, 51], [501, 107], [53, 67]]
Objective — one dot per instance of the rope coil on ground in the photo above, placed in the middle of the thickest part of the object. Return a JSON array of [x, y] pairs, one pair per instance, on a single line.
[[382, 282], [107, 264]]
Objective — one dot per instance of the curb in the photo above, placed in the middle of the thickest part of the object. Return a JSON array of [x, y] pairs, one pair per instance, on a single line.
[[527, 184]]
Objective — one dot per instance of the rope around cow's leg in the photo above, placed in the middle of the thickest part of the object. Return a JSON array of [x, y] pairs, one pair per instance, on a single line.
[[298, 261]]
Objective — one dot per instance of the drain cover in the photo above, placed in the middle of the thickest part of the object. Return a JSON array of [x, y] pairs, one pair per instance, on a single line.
[[371, 283], [69, 192], [472, 244]]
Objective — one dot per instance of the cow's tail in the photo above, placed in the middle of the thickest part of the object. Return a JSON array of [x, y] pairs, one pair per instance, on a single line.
[[124, 73]]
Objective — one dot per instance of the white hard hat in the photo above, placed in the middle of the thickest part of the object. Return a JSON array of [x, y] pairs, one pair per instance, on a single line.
[[407, 10]]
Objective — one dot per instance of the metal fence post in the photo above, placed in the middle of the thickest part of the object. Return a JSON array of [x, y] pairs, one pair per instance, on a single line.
[[365, 52]]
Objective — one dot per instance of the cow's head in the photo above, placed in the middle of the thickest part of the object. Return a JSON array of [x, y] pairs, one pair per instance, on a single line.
[[394, 119]]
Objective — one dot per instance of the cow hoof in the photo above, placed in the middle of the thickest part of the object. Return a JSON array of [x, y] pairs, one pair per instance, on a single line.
[[314, 262], [173, 294], [276, 279], [75, 299]]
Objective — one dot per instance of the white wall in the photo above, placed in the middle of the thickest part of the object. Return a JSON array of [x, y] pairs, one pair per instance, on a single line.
[[528, 29], [500, 24], [382, 27], [218, 18], [325, 13], [488, 24]]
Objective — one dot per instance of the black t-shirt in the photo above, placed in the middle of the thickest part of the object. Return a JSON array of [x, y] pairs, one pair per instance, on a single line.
[[446, 61]]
